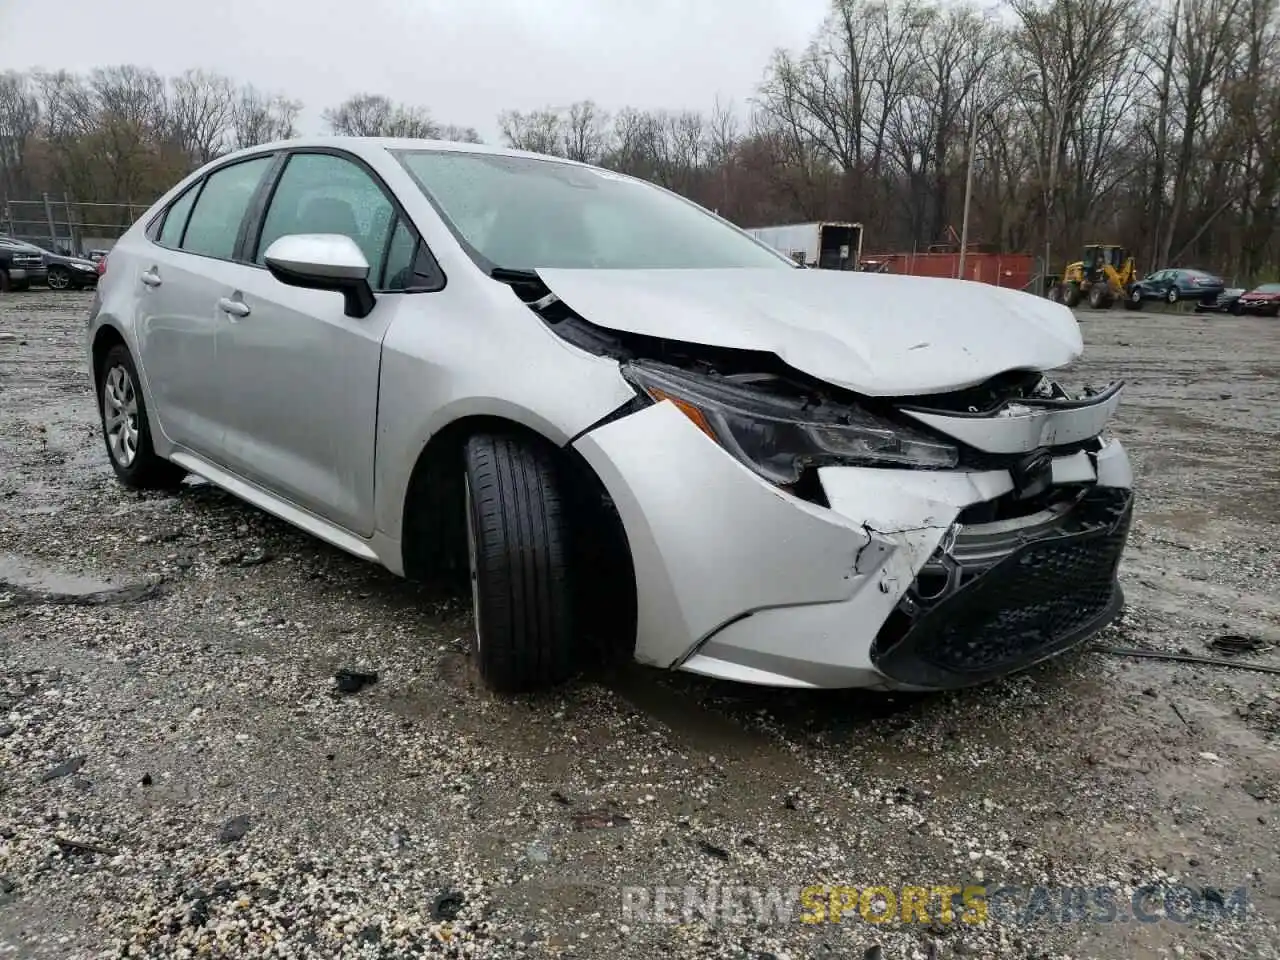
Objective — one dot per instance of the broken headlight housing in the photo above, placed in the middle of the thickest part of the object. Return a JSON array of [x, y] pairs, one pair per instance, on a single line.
[[779, 434]]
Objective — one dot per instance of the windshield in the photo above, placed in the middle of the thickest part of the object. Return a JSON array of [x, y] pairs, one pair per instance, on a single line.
[[1269, 288], [520, 213]]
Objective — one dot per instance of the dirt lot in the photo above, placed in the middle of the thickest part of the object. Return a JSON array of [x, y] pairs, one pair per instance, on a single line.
[[178, 777]]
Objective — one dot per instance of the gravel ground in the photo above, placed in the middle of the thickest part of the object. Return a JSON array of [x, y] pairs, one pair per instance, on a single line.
[[180, 777]]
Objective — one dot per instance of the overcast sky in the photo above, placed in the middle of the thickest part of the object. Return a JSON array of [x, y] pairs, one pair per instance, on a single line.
[[464, 59]]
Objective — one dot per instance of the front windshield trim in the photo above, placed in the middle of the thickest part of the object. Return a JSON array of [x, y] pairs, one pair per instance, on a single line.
[[488, 265]]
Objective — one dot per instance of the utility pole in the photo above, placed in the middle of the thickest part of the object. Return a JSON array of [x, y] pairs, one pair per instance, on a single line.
[[53, 228], [968, 188]]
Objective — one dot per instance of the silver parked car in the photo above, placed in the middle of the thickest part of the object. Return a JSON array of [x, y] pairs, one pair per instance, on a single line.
[[633, 428]]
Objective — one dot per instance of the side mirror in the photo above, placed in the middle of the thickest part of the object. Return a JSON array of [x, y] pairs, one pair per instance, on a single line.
[[324, 261]]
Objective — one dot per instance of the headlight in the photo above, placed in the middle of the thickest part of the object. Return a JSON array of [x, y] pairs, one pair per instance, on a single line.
[[86, 267], [778, 435]]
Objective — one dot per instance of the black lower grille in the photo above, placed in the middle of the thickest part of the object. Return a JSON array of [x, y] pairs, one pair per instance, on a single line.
[[1042, 598]]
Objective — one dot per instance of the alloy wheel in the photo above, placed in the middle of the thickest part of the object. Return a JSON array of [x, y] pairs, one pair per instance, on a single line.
[[59, 280], [120, 415]]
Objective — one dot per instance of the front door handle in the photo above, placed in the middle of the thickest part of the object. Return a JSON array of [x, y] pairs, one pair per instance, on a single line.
[[151, 278], [236, 308]]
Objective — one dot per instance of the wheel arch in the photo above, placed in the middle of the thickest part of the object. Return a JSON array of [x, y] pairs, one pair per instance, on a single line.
[[106, 337], [432, 528]]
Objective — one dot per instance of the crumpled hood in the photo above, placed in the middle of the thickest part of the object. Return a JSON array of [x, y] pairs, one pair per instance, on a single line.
[[877, 334]]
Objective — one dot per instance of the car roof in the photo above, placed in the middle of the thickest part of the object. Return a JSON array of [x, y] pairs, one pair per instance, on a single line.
[[367, 146]]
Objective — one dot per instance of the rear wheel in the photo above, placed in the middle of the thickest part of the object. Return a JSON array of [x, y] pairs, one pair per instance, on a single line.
[[125, 428], [518, 552]]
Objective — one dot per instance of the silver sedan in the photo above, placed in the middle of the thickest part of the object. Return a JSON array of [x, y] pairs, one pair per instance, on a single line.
[[634, 430]]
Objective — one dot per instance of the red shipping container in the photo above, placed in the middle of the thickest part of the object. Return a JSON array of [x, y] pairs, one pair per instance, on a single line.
[[1000, 269]]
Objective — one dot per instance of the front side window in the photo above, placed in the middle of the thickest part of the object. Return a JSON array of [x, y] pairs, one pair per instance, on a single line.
[[521, 213], [323, 193], [215, 221], [176, 218]]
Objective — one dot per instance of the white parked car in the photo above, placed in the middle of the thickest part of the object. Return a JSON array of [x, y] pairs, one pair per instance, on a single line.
[[638, 430]]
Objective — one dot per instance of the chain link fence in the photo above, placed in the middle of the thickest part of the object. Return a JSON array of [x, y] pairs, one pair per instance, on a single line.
[[63, 225]]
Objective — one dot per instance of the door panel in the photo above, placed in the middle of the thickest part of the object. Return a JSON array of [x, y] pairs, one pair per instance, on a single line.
[[179, 279], [303, 417], [303, 395], [177, 327]]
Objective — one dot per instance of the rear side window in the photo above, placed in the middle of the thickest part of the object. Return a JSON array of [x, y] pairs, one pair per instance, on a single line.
[[323, 193], [176, 218], [215, 221]]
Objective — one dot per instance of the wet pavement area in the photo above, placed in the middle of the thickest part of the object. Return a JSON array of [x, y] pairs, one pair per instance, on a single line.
[[179, 775]]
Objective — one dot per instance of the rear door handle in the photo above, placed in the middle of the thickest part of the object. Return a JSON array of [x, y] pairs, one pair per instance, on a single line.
[[151, 278], [235, 308]]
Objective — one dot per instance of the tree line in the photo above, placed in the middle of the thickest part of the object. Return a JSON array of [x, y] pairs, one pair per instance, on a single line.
[[1155, 125]]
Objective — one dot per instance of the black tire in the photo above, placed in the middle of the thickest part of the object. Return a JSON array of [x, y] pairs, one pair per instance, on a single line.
[[1171, 295], [145, 470], [1071, 295], [1235, 309], [519, 549], [60, 279], [1099, 297], [1055, 293], [1133, 299]]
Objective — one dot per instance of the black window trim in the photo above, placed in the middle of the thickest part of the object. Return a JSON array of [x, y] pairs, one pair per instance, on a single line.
[[156, 226], [252, 228]]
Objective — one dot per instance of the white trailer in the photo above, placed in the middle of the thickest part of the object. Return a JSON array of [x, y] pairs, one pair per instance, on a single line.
[[824, 245]]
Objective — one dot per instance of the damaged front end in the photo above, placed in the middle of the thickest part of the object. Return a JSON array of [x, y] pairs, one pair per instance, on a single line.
[[920, 542], [1028, 574]]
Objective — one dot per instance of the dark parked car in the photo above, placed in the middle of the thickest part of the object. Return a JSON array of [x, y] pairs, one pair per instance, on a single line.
[[67, 273], [20, 265], [1263, 299], [1174, 285], [1226, 302]]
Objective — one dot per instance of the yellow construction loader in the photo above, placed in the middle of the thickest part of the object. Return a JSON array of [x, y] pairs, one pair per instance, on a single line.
[[1101, 277]]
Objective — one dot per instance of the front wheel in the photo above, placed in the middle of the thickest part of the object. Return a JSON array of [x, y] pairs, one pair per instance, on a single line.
[[125, 428], [1172, 295], [1071, 295], [1099, 297], [59, 278], [518, 552], [1133, 299]]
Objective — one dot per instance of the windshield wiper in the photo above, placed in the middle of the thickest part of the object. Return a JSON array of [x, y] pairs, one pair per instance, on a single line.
[[513, 275]]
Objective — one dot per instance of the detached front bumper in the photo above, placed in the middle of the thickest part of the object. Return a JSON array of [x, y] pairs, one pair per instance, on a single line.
[[889, 586]]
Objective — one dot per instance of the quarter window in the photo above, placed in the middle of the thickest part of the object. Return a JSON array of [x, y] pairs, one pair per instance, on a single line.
[[215, 221], [323, 193], [176, 218]]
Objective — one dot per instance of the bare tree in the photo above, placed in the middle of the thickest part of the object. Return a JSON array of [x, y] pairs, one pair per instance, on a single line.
[[19, 122], [540, 131], [584, 132], [201, 114], [257, 118]]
